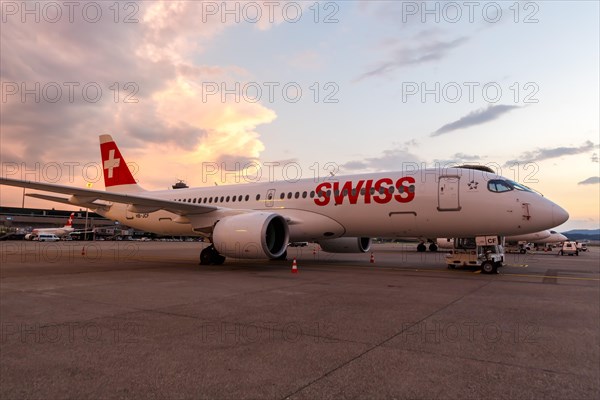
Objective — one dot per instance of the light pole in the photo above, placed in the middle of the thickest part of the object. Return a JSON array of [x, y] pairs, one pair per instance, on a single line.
[[85, 232]]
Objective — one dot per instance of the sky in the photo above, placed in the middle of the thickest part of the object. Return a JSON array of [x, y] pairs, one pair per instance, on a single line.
[[200, 90]]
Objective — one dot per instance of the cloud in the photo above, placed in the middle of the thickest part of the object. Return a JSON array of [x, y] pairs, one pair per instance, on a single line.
[[422, 48], [171, 121], [595, 158], [549, 153], [390, 160], [474, 118], [466, 157], [458, 158], [590, 181]]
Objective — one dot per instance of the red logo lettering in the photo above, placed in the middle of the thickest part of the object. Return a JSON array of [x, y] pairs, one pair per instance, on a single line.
[[381, 192]]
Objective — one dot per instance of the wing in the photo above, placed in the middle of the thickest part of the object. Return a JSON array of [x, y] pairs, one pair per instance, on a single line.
[[87, 197]]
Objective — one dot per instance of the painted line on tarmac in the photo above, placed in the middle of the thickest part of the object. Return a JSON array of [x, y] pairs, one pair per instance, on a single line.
[[574, 278]]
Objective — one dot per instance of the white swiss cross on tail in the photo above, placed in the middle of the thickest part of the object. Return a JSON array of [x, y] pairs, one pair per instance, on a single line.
[[111, 163], [116, 172]]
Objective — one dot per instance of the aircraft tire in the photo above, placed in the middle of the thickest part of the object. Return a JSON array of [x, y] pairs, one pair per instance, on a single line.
[[218, 259], [210, 255], [421, 248], [433, 247], [206, 256]]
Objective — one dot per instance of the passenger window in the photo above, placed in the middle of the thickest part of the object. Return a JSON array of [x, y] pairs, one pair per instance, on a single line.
[[257, 197], [227, 199], [304, 194], [312, 194], [297, 195], [194, 201], [289, 195], [282, 196]]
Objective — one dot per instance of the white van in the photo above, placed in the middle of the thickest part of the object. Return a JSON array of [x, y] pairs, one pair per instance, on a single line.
[[569, 248], [47, 237]]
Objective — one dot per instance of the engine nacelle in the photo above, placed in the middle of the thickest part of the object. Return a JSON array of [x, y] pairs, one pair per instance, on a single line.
[[254, 235], [346, 245]]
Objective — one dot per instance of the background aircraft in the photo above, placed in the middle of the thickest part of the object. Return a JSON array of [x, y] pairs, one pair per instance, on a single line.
[[60, 232]]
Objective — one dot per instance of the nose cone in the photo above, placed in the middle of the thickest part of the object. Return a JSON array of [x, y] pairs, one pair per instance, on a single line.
[[559, 215]]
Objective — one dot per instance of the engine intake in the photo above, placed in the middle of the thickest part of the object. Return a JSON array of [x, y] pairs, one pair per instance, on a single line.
[[346, 245], [254, 235]]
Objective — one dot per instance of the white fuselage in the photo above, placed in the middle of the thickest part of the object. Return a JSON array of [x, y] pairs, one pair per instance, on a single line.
[[428, 203], [53, 231]]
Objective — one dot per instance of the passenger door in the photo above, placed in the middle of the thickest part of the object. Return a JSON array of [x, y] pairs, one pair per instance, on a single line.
[[448, 193]]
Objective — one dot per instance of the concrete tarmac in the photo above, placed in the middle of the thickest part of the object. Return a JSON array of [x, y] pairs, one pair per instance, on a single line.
[[144, 320]]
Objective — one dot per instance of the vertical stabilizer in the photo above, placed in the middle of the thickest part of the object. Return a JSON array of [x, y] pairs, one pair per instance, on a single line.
[[117, 176]]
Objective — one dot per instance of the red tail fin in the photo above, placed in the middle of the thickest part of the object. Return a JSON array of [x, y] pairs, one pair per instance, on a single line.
[[117, 175], [70, 221]]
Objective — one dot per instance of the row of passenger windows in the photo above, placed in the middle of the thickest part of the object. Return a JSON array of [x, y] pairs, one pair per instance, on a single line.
[[289, 195], [217, 199]]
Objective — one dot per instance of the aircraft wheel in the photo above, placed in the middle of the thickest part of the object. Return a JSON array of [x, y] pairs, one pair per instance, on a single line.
[[421, 248], [451, 266], [218, 259], [522, 251], [210, 255], [205, 256], [433, 247], [488, 267]]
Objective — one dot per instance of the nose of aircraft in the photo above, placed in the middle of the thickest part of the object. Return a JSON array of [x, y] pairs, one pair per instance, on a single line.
[[559, 215]]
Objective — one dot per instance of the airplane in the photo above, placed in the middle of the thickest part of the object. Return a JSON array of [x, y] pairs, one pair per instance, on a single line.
[[541, 237], [342, 214], [60, 232], [540, 241]]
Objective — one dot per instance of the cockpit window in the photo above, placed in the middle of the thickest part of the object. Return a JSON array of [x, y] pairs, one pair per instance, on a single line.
[[498, 186], [518, 186]]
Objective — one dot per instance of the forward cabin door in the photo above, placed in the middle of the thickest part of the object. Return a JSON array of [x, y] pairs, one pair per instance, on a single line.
[[448, 193]]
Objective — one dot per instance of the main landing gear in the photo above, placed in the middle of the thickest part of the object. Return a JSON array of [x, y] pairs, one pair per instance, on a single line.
[[421, 247], [210, 255]]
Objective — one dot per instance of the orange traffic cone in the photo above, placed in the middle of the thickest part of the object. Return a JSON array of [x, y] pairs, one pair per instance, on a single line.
[[83, 251], [372, 261], [294, 266]]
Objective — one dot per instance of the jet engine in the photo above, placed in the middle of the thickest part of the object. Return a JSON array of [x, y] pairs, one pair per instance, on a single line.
[[346, 245], [254, 235]]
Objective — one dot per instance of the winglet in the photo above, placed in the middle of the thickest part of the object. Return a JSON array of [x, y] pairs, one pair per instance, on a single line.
[[117, 175]]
